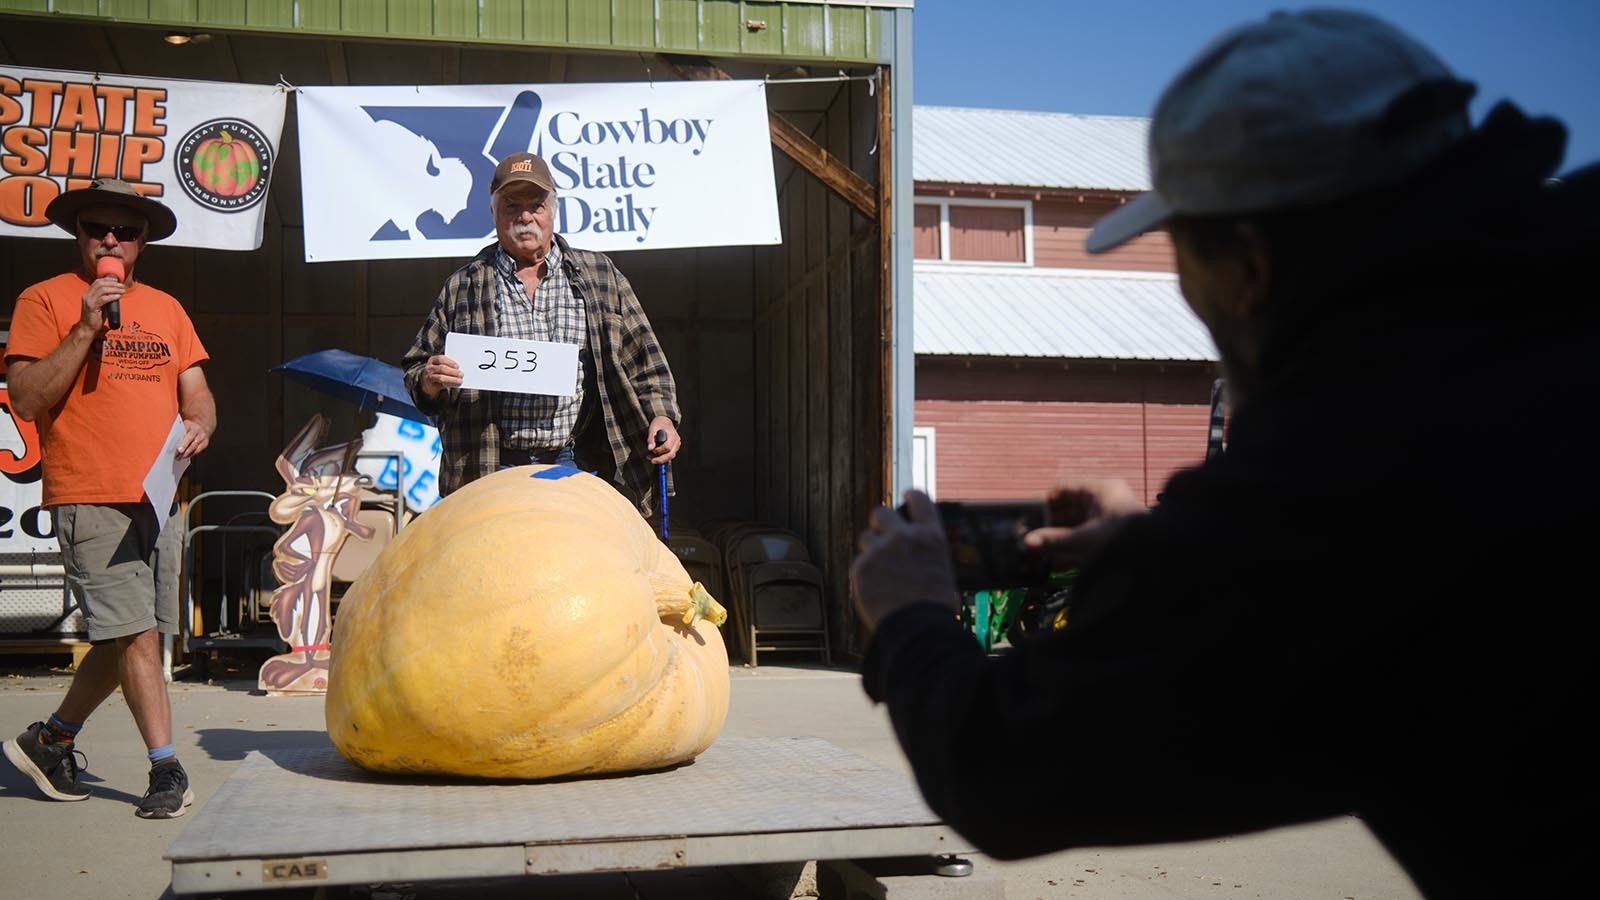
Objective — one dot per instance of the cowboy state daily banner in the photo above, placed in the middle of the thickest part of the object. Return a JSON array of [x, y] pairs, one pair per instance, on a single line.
[[391, 172], [205, 149]]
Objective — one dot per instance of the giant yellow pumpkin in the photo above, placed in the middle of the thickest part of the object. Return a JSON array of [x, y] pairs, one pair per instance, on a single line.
[[530, 625]]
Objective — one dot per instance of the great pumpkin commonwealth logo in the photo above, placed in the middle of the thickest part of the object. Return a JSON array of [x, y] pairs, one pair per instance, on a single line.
[[224, 164]]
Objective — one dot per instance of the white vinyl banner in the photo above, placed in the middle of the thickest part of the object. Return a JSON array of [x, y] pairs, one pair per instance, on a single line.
[[393, 172], [25, 526], [205, 149]]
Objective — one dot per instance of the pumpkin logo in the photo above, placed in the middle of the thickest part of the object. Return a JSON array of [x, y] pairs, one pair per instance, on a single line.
[[224, 165]]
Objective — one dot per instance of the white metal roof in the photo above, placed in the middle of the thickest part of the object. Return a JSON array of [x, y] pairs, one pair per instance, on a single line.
[[1033, 149], [1054, 313]]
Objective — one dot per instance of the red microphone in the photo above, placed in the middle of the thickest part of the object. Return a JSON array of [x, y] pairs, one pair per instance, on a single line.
[[111, 265]]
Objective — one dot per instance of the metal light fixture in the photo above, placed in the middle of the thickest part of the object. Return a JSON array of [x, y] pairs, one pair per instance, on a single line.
[[179, 38]]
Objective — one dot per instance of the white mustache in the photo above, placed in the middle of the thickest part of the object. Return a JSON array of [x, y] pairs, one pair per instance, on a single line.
[[522, 228]]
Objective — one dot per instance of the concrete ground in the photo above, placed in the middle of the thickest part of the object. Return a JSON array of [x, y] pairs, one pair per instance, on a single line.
[[99, 849]]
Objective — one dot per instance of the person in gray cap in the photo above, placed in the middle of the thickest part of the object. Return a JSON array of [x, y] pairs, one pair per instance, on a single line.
[[108, 366], [622, 417], [1365, 605]]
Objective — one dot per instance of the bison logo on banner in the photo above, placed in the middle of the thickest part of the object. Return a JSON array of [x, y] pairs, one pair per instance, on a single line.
[[400, 172]]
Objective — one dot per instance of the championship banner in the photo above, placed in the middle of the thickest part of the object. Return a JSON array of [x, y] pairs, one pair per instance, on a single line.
[[395, 172], [25, 527], [205, 149]]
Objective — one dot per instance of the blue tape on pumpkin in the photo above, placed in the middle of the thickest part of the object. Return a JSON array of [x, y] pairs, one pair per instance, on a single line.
[[555, 472]]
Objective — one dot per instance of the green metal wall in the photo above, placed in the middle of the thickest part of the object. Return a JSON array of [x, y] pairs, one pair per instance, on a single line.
[[724, 28]]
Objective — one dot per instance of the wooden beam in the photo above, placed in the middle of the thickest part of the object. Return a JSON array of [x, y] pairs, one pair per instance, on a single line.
[[693, 68], [450, 65], [819, 271], [814, 158], [230, 58], [338, 68], [796, 144], [104, 54], [885, 218]]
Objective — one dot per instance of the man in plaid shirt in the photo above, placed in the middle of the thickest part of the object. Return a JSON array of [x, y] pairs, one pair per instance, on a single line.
[[531, 285]]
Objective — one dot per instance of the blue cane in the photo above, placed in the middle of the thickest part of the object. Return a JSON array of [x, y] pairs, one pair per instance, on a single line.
[[661, 438]]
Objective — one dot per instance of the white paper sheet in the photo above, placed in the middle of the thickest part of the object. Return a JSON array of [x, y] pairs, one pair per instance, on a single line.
[[513, 366], [161, 483]]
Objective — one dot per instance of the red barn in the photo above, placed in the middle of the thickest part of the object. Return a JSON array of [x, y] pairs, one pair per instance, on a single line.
[[1034, 360]]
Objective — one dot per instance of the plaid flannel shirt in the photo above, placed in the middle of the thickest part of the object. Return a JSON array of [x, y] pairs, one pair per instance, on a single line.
[[628, 381], [551, 313]]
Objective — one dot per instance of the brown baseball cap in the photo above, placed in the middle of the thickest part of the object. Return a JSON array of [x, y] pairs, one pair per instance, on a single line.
[[521, 167]]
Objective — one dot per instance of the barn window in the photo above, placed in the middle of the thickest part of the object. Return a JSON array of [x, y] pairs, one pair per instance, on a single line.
[[972, 230], [927, 244]]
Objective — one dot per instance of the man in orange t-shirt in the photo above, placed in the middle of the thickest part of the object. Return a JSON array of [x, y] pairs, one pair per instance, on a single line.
[[107, 366]]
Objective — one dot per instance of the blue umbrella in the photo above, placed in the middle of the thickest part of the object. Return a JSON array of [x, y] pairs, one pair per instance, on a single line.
[[362, 380]]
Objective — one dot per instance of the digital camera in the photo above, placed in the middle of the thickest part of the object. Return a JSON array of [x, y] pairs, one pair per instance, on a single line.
[[985, 539]]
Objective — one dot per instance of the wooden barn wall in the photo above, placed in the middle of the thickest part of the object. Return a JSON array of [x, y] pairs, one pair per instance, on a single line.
[[778, 351], [1060, 227], [258, 308], [819, 446], [1005, 430]]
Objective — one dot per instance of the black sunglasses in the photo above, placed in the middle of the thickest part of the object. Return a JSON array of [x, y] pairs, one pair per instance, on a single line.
[[97, 230]]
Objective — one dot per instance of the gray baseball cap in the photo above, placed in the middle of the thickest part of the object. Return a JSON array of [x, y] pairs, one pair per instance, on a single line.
[[1301, 109]]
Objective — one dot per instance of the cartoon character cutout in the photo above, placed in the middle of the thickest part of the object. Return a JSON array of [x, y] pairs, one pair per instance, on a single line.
[[319, 507]]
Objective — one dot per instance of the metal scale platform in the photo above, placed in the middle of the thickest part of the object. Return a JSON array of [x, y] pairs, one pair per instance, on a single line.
[[307, 818]]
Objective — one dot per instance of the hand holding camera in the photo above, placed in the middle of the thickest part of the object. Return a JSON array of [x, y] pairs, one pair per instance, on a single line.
[[904, 560], [1083, 515], [986, 543], [996, 544], [925, 552]]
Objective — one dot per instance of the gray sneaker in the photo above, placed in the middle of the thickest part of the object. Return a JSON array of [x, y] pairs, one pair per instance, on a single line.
[[169, 793], [50, 764]]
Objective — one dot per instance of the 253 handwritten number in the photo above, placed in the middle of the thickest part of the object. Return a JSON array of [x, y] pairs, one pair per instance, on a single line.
[[511, 361]]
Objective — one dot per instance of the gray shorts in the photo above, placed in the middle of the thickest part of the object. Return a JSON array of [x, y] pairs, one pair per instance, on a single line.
[[121, 571]]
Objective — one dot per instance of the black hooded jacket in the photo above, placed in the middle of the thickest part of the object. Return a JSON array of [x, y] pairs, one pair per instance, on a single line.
[[1379, 601]]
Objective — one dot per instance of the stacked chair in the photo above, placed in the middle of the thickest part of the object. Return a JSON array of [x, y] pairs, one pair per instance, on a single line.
[[774, 591], [700, 559]]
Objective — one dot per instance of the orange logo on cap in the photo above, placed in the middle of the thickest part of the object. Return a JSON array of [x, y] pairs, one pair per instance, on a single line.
[[522, 165]]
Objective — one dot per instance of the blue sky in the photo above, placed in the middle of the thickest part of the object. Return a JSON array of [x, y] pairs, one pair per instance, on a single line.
[[1113, 57]]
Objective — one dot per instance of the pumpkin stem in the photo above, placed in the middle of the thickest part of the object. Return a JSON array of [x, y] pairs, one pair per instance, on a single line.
[[696, 604]]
